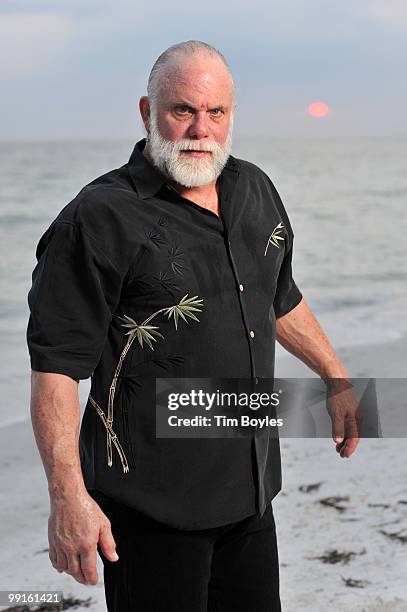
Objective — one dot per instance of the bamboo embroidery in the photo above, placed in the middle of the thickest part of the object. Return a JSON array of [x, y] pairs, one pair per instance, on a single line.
[[112, 434], [145, 334], [274, 237]]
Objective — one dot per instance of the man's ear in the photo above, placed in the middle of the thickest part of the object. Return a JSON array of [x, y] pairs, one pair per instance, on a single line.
[[144, 106]]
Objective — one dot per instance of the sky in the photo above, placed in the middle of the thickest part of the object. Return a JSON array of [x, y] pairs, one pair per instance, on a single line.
[[71, 69]]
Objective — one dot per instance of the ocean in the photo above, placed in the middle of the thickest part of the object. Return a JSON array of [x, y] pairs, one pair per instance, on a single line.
[[346, 199]]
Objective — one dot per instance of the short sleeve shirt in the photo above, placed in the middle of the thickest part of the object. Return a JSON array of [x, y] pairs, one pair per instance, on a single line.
[[116, 264]]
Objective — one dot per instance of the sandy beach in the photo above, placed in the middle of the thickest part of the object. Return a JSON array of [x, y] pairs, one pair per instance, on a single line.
[[362, 532]]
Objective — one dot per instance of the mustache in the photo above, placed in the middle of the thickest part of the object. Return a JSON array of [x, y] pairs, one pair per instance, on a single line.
[[193, 145]]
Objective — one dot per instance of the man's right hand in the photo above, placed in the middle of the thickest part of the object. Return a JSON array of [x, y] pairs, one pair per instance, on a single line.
[[75, 527]]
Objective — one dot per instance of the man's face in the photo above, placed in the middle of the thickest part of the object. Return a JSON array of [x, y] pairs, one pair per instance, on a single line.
[[190, 131]]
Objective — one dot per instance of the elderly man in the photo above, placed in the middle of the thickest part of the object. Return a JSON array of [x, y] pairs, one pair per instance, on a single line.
[[177, 264]]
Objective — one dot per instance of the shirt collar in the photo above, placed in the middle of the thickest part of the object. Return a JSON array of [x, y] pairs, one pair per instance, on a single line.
[[147, 179]]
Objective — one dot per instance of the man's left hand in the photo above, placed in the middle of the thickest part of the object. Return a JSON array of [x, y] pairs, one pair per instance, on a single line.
[[346, 417]]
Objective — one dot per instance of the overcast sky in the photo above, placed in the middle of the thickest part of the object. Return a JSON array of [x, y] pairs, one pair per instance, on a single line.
[[76, 69]]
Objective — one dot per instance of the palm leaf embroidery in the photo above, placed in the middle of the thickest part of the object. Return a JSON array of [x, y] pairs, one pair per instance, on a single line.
[[177, 264], [143, 333], [147, 334], [275, 237], [184, 309], [167, 281], [156, 238]]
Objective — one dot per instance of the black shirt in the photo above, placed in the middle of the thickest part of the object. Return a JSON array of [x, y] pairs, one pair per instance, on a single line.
[[124, 251]]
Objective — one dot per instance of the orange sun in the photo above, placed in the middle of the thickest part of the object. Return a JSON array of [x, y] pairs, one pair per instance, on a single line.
[[318, 109]]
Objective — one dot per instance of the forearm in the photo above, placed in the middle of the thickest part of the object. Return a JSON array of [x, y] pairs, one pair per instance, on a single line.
[[55, 416], [300, 333]]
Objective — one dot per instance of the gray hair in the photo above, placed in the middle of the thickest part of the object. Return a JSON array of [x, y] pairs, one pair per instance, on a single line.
[[157, 78]]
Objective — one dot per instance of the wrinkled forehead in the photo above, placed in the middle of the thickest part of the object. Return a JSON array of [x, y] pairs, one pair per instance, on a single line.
[[198, 79]]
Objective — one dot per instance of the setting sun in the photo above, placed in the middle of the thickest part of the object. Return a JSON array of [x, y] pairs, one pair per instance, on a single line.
[[318, 109]]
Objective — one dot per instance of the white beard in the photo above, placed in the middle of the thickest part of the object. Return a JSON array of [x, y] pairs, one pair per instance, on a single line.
[[189, 172]]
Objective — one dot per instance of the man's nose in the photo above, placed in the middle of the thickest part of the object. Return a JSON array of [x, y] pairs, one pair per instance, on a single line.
[[199, 126]]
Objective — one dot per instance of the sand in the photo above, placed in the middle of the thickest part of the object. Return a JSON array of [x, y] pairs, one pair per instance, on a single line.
[[374, 481]]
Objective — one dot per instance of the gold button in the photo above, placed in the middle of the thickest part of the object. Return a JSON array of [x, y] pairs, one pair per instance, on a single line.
[[241, 287], [251, 333]]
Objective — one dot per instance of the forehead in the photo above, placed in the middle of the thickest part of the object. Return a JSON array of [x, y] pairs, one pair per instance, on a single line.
[[203, 81]]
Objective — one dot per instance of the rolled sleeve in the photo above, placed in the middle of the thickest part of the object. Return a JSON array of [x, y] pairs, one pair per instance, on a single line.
[[287, 295], [75, 291]]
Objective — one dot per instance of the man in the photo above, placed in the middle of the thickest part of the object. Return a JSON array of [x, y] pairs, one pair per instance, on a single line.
[[177, 264]]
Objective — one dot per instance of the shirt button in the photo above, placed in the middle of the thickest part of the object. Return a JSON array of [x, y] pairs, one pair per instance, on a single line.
[[256, 380], [241, 287], [251, 333]]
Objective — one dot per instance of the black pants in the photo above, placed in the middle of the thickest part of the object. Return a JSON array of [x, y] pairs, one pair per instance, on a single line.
[[233, 568]]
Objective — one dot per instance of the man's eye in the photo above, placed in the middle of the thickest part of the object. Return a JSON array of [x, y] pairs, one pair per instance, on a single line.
[[216, 111], [183, 109]]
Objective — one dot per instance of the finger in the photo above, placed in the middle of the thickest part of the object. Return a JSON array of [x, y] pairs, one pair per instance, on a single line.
[[107, 543], [351, 427], [338, 428], [88, 565], [61, 560], [74, 568], [349, 447], [52, 553], [340, 446]]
